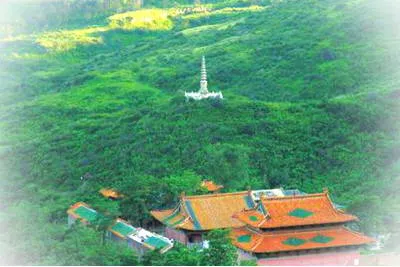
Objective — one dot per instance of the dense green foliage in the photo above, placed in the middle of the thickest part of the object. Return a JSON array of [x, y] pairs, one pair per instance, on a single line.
[[220, 252], [178, 256], [30, 235], [310, 102]]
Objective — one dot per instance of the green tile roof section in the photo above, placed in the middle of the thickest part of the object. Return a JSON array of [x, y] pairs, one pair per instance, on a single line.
[[293, 241], [262, 209], [249, 202], [156, 242], [244, 238], [86, 213], [123, 228], [321, 239], [196, 222], [253, 218], [300, 213], [173, 219]]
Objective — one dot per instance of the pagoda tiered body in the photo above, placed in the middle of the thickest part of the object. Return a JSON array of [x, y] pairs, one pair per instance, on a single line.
[[268, 225], [203, 93]]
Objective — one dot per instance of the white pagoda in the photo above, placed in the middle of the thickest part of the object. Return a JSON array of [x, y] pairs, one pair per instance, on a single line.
[[203, 93]]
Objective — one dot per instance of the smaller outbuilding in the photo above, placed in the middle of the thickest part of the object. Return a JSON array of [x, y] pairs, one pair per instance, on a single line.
[[142, 240], [139, 239], [120, 230], [82, 212], [110, 193], [210, 186]]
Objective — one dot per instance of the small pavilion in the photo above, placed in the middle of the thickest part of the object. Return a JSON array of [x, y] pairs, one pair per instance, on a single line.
[[210, 186]]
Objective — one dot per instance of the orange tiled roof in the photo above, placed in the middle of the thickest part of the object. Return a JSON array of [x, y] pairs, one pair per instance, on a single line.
[[110, 193], [290, 211], [206, 212], [211, 186], [296, 240]]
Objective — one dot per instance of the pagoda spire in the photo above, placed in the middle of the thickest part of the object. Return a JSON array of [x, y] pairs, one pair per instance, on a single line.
[[203, 93], [203, 81]]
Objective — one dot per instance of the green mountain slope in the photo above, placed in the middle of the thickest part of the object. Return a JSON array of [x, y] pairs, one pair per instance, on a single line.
[[309, 103]]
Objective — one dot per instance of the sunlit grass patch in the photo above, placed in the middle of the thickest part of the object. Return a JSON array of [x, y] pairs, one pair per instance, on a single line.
[[214, 27], [147, 19], [225, 11], [66, 40]]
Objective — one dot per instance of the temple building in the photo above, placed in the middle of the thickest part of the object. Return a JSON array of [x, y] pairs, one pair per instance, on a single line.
[[195, 215], [203, 93], [272, 226], [280, 228], [82, 212]]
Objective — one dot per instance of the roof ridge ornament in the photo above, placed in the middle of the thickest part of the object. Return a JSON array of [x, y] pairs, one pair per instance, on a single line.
[[249, 191], [297, 196]]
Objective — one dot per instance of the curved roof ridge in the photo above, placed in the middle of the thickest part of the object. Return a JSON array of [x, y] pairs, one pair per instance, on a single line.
[[73, 207], [276, 242], [325, 229], [78, 204], [337, 211], [119, 219], [156, 210], [172, 210], [315, 195], [291, 231], [187, 214], [357, 233], [259, 241], [295, 196], [216, 195], [187, 218]]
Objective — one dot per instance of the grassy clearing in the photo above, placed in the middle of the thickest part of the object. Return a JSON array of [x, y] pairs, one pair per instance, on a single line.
[[66, 40], [215, 27], [224, 11], [148, 19]]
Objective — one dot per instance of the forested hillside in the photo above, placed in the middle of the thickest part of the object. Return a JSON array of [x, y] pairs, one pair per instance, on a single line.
[[310, 101]]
